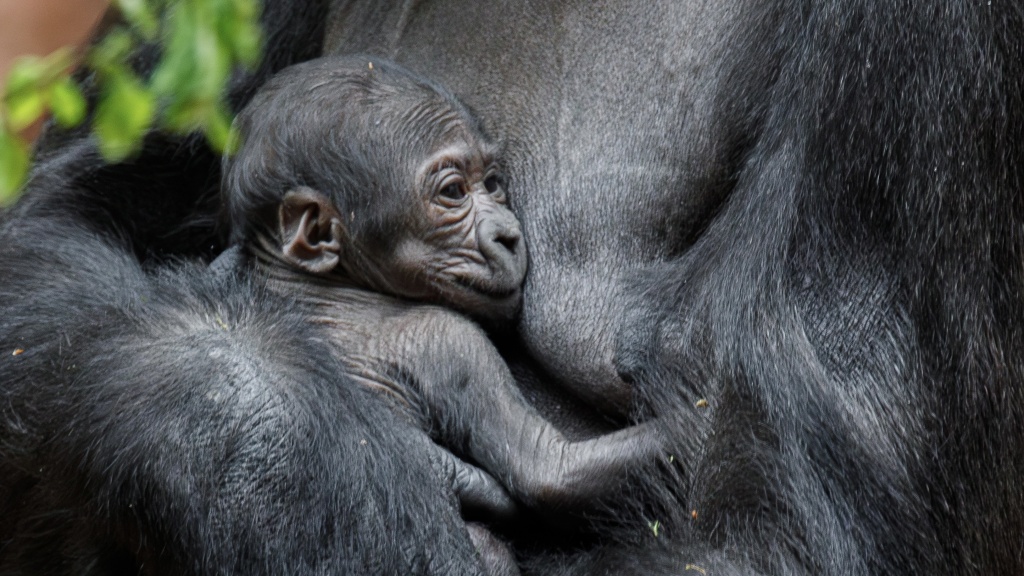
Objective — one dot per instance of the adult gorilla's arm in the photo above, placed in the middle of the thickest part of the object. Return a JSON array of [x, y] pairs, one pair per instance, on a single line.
[[189, 421], [185, 421]]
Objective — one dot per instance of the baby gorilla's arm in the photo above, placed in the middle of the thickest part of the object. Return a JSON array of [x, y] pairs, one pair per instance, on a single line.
[[477, 408]]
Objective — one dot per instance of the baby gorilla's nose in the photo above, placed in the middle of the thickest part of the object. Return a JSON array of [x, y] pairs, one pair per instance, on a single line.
[[509, 239], [501, 243]]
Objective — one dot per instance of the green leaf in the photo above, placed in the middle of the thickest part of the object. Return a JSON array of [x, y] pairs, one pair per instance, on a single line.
[[247, 43], [57, 64], [201, 43], [186, 115], [14, 158], [23, 95], [67, 103], [25, 108], [112, 51], [240, 29], [219, 132], [124, 114], [25, 74], [141, 16]]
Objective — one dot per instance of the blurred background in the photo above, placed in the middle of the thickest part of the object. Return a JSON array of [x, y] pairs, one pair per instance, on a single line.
[[200, 43], [41, 26]]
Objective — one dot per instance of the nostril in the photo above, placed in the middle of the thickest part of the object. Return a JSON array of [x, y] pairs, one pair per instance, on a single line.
[[509, 241], [500, 238]]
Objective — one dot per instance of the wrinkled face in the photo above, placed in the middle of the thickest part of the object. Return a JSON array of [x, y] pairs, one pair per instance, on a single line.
[[469, 253], [427, 219]]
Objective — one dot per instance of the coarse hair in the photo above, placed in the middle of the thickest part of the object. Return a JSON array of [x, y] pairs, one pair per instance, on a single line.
[[346, 126]]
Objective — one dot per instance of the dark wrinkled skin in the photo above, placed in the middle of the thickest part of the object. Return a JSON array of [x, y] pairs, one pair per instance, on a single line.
[[373, 130], [791, 230]]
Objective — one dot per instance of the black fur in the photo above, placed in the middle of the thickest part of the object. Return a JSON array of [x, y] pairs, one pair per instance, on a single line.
[[806, 216], [187, 422], [857, 304], [257, 456]]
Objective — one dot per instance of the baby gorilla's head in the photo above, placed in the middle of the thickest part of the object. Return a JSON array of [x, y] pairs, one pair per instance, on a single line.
[[355, 169]]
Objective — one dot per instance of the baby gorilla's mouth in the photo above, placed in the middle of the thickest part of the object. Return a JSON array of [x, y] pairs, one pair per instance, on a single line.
[[490, 291]]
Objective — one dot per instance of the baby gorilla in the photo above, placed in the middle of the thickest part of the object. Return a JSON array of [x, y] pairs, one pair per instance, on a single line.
[[368, 194]]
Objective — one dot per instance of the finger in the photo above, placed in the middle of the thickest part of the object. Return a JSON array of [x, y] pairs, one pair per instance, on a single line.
[[480, 495]]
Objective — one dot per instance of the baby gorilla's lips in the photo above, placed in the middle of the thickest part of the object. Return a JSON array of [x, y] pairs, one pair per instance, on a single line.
[[498, 301], [495, 291]]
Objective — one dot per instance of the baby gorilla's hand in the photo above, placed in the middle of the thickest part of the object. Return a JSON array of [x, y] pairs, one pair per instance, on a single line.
[[556, 476], [480, 496]]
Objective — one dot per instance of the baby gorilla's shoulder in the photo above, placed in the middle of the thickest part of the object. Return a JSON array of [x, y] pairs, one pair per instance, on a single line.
[[435, 321]]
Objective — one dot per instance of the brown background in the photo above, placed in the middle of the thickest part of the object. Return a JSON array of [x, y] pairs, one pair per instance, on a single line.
[[41, 26]]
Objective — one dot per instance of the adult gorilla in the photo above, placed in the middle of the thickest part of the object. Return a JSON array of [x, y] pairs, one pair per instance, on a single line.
[[792, 230], [806, 214]]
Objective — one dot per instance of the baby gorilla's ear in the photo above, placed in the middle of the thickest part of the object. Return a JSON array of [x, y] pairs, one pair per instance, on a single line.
[[310, 229]]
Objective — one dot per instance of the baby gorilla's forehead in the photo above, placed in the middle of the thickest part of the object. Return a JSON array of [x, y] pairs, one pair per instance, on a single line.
[[463, 151], [432, 127]]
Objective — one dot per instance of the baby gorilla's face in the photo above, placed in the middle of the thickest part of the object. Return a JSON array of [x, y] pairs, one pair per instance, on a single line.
[[469, 254], [400, 196]]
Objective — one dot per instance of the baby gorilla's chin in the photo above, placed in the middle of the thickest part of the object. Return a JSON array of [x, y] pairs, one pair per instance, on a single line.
[[494, 302]]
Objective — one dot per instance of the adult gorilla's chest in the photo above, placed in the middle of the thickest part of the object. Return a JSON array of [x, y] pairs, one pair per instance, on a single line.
[[619, 141]]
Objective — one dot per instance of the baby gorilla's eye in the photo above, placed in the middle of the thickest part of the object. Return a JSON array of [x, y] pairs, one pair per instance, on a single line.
[[453, 191], [492, 183]]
